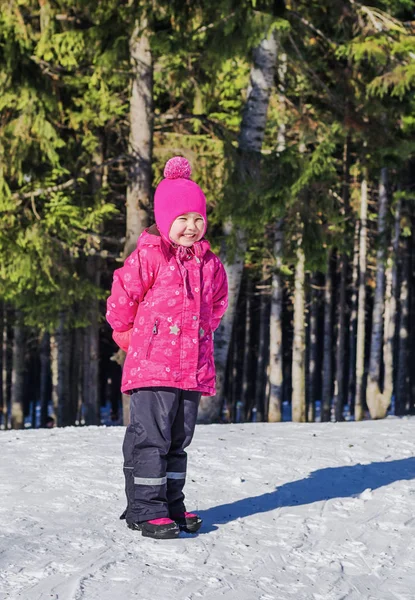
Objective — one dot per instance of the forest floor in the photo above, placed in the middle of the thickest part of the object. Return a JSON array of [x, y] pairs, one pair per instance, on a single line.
[[291, 511]]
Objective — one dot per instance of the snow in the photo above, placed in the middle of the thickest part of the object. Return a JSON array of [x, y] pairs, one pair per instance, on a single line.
[[291, 511]]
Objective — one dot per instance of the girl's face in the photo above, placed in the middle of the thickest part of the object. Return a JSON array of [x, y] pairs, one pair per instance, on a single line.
[[187, 229]]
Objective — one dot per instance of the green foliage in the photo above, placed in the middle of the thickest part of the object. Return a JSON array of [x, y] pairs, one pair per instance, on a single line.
[[58, 95], [64, 102]]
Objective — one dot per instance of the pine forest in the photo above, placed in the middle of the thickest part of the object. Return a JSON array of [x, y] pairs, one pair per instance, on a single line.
[[298, 119]]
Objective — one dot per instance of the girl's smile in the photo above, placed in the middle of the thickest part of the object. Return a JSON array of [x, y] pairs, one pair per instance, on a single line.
[[187, 229]]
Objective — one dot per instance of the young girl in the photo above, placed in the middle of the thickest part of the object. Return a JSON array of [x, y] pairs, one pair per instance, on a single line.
[[166, 301]]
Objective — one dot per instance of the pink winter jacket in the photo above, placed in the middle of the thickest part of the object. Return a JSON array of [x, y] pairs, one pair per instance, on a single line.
[[164, 305]]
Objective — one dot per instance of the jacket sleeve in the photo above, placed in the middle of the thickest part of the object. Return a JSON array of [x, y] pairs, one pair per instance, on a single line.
[[129, 286], [220, 294]]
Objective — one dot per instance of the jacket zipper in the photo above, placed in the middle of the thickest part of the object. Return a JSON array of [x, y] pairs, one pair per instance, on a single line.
[[153, 333]]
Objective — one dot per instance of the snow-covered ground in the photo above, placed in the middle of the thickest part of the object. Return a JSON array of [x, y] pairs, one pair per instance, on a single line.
[[291, 511]]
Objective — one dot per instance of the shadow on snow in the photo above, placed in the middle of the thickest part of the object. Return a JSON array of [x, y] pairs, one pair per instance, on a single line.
[[324, 484]]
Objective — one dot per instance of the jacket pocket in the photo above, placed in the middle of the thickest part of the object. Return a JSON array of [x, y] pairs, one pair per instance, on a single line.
[[151, 341]]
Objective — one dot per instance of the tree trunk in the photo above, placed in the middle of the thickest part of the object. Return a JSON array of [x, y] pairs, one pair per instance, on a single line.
[[263, 346], [361, 308], [391, 307], [90, 364], [6, 351], [411, 349], [76, 349], [210, 408], [341, 342], [312, 351], [327, 343], [298, 360], [339, 383], [54, 375], [44, 378], [61, 354], [377, 402], [351, 388], [140, 147], [247, 363], [276, 366], [90, 380], [3, 405], [402, 383], [90, 355], [250, 143], [18, 373], [141, 136]]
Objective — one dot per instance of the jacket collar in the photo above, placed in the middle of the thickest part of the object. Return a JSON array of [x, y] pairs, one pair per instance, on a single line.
[[152, 237]]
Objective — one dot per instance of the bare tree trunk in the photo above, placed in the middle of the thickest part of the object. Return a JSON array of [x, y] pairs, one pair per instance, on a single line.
[[361, 308], [141, 149], [210, 407], [327, 343], [250, 143], [298, 359], [18, 373], [233, 394], [6, 365], [90, 375], [276, 367], [62, 347], [402, 383], [341, 342], [76, 374], [377, 402], [90, 362], [54, 374], [44, 378], [262, 349], [246, 380], [339, 383], [141, 135], [411, 349], [351, 388], [391, 307], [3, 405], [312, 352]]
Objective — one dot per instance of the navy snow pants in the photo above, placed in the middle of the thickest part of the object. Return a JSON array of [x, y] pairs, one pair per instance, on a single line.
[[162, 423]]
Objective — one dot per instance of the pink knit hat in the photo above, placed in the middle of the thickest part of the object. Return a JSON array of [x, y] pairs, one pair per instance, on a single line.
[[177, 194]]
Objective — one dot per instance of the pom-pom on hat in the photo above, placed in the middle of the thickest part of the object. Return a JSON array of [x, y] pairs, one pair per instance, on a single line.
[[177, 194]]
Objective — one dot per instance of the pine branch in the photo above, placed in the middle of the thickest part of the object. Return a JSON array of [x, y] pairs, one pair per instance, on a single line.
[[204, 28], [71, 182], [310, 26], [224, 131], [336, 101], [380, 20]]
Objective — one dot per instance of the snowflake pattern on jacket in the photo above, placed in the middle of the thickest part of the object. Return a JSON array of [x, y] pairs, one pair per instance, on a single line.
[[165, 304]]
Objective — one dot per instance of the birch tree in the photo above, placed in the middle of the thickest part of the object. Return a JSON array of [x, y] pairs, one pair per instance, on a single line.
[[276, 365], [298, 399], [361, 307], [250, 142]]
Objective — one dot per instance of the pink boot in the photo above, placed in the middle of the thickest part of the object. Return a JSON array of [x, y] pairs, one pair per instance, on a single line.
[[188, 522], [159, 529]]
